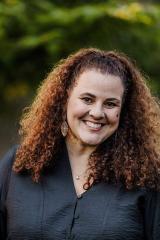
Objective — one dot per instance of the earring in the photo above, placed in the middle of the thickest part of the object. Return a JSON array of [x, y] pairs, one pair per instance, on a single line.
[[64, 129]]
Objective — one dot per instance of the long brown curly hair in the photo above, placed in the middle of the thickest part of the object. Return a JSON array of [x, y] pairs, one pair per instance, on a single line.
[[130, 155]]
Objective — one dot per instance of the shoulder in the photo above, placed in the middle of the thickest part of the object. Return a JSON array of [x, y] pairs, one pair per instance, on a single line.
[[152, 214], [5, 170], [153, 198], [7, 161]]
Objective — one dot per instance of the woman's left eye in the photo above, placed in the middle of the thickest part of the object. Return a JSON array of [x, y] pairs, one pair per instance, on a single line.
[[110, 104]]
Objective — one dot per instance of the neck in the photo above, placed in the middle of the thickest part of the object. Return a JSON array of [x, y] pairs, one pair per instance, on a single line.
[[77, 149], [78, 154]]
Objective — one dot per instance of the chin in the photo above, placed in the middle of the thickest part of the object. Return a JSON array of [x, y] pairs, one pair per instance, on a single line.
[[91, 142]]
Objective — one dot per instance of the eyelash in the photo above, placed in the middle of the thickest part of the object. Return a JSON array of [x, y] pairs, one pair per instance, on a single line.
[[111, 104], [89, 101]]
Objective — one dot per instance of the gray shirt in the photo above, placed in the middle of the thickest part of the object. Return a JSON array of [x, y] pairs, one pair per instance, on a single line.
[[51, 209]]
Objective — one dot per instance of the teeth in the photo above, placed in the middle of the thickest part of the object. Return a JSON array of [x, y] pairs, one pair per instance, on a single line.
[[93, 125]]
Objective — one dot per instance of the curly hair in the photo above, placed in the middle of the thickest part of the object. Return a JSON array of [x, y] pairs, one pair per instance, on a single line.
[[130, 155]]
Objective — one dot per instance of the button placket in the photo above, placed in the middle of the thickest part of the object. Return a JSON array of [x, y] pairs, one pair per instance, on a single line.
[[76, 216], [76, 213]]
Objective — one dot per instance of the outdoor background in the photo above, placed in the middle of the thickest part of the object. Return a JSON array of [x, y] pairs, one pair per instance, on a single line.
[[35, 34]]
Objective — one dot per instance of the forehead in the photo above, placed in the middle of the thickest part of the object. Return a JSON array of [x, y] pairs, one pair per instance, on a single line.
[[97, 83]]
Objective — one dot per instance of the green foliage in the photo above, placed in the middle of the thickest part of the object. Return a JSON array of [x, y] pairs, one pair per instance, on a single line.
[[36, 34]]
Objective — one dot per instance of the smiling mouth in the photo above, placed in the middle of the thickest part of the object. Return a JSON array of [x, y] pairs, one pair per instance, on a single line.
[[93, 125]]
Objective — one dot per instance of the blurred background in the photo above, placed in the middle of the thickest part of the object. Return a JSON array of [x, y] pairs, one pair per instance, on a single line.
[[34, 35]]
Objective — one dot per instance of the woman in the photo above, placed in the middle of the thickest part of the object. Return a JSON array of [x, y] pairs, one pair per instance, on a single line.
[[87, 166]]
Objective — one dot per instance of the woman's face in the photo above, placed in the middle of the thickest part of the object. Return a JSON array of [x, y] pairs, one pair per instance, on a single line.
[[94, 106]]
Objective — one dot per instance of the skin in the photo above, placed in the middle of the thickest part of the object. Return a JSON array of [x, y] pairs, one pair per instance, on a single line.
[[93, 113], [94, 107]]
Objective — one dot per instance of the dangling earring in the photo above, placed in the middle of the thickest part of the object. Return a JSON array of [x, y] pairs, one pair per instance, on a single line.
[[64, 128]]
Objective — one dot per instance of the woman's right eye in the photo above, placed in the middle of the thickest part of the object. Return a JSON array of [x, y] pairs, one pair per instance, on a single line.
[[87, 100]]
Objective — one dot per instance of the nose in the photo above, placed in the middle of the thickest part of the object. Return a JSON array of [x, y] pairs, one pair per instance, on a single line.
[[96, 112]]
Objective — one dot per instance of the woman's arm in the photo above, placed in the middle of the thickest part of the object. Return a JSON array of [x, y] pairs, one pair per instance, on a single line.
[[152, 216], [5, 170]]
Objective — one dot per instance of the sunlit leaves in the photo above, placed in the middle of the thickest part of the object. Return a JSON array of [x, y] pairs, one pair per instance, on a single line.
[[36, 34]]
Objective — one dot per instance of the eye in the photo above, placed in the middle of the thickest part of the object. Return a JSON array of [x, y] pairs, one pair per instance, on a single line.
[[87, 100], [110, 104]]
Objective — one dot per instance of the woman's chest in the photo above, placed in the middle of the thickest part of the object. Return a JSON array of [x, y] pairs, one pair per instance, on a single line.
[[53, 211]]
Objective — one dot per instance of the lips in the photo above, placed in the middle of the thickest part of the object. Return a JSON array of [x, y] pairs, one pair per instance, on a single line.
[[94, 125]]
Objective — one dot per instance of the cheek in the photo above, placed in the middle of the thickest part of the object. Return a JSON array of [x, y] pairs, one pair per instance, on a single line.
[[76, 109], [114, 116]]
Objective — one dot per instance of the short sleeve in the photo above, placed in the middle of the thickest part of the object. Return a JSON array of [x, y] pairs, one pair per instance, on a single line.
[[152, 215], [5, 170]]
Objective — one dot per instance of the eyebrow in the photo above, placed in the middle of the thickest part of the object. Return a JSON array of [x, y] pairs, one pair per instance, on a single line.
[[93, 96]]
